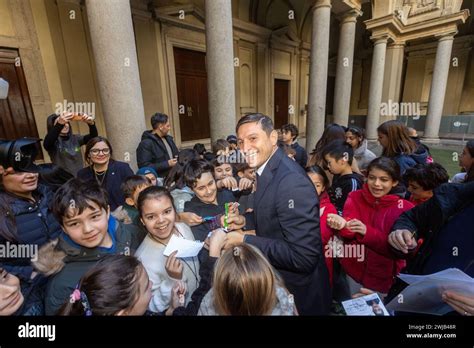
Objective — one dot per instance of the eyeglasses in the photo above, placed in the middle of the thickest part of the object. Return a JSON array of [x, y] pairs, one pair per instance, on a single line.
[[95, 152]]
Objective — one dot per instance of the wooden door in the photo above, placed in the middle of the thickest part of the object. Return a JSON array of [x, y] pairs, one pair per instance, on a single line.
[[191, 81], [16, 114], [281, 103]]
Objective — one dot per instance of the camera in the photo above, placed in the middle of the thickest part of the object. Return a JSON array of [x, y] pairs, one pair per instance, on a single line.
[[19, 154]]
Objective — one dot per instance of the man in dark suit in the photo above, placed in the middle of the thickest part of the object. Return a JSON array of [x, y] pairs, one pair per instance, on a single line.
[[285, 217], [157, 149]]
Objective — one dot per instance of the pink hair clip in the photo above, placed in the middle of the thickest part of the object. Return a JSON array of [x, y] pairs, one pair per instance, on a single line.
[[75, 296]]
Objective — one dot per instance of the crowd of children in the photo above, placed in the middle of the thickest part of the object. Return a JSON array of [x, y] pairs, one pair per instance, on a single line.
[[102, 230]]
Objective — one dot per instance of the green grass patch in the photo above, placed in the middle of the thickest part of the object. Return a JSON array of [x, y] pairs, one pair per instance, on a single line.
[[447, 158]]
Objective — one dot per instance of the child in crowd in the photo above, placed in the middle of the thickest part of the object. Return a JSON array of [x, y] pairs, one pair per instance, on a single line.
[[221, 147], [466, 161], [116, 285], [289, 137], [420, 147], [131, 187], [208, 200], [26, 220], [244, 171], [62, 145], [321, 183], [396, 143], [151, 174], [200, 149], [422, 179], [355, 137], [367, 221], [232, 140], [11, 298], [246, 284], [158, 215], [339, 155], [289, 151], [225, 179], [175, 180], [331, 133], [90, 233], [108, 173]]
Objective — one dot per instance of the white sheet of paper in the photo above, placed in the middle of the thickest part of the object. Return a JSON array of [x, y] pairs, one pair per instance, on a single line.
[[359, 306], [186, 248], [423, 295]]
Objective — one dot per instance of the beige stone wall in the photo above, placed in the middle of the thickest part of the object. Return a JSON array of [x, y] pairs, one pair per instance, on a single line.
[[460, 81]]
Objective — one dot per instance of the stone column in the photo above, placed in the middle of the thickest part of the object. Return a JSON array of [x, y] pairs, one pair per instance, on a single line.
[[345, 60], [438, 87], [113, 43], [318, 72], [220, 68], [392, 80], [376, 85]]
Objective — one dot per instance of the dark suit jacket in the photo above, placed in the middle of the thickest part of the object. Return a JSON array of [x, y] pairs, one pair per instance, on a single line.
[[151, 152], [286, 219]]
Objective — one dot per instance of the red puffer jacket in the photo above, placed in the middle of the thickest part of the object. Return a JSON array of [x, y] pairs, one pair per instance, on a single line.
[[378, 267], [325, 208]]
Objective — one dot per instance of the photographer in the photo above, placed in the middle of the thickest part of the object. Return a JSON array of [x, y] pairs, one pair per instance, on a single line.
[[63, 147], [28, 221]]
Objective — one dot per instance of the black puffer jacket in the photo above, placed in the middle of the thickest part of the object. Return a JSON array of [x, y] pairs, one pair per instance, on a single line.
[[151, 152], [35, 225]]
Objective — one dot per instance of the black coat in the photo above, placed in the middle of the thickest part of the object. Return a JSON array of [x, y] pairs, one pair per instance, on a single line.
[[151, 152], [116, 174], [442, 222], [286, 219], [301, 156]]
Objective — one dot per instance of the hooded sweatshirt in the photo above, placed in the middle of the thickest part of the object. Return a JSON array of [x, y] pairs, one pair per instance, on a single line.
[[284, 306], [341, 186], [377, 268], [363, 155]]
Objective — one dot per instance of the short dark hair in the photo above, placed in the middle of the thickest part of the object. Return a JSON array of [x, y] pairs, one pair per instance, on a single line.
[[200, 148], [386, 164], [153, 192], [91, 143], [157, 119], [320, 171], [193, 171], [357, 131], [241, 167], [337, 149], [133, 182], [220, 145], [429, 176], [264, 121], [290, 127], [175, 178], [77, 195]]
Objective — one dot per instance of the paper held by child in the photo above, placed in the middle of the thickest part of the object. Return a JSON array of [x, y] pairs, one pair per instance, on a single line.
[[424, 293], [186, 248], [368, 305]]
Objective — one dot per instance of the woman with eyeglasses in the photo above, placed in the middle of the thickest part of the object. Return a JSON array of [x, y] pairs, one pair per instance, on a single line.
[[110, 174]]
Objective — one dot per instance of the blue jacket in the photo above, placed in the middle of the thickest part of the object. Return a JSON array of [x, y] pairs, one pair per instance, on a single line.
[[301, 156], [408, 161], [286, 220], [35, 225], [115, 176]]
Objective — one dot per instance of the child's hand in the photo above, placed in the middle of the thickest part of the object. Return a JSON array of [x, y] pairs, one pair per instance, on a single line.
[[229, 183], [234, 239], [356, 226], [234, 222], [173, 266], [245, 184], [177, 296], [336, 222], [87, 119], [65, 117], [190, 219], [217, 242]]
